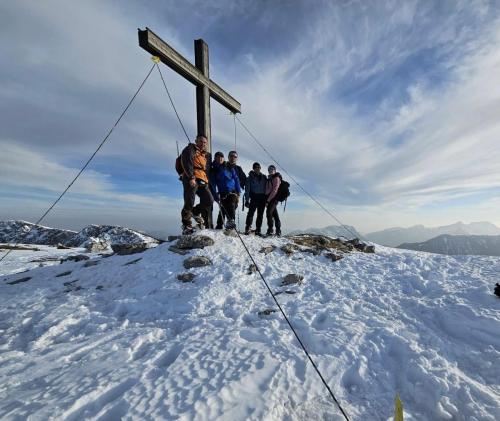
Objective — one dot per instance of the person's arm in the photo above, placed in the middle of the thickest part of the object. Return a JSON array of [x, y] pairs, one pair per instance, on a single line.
[[242, 176], [247, 189], [187, 159], [236, 182], [212, 183], [275, 183]]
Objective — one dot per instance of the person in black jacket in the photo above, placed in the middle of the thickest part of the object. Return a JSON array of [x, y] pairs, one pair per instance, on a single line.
[[255, 198], [232, 159]]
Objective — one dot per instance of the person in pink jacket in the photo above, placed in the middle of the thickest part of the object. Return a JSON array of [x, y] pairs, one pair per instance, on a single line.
[[272, 186]]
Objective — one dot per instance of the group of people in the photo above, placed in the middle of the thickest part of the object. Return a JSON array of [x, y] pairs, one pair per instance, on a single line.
[[223, 182]]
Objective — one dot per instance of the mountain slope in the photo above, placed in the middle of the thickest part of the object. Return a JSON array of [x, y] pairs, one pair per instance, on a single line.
[[392, 237], [482, 245], [15, 231], [123, 338]]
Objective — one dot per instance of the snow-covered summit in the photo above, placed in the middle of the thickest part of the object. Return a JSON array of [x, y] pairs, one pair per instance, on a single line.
[[15, 231], [123, 338]]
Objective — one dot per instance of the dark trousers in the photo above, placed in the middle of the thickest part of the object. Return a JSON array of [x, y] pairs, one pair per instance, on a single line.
[[203, 208], [257, 203], [272, 216], [229, 202]]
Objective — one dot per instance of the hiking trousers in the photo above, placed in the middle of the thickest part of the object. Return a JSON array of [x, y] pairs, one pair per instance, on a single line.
[[203, 208], [257, 203], [272, 216], [229, 203]]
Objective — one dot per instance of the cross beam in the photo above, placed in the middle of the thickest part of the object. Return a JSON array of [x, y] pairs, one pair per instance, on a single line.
[[198, 75]]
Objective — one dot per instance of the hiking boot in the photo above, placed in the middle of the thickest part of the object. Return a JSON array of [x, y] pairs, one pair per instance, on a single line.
[[269, 233], [247, 230], [200, 222], [187, 230], [258, 233], [278, 233], [230, 224], [219, 227]]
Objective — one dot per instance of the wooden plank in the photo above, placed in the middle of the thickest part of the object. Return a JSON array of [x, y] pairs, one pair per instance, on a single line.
[[156, 46], [203, 92]]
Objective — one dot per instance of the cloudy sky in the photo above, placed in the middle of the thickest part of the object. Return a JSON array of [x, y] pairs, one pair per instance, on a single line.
[[388, 112]]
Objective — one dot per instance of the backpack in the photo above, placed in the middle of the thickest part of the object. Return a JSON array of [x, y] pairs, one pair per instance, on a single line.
[[283, 190], [178, 165]]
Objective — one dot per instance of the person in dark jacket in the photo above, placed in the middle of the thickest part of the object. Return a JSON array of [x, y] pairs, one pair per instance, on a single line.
[[196, 166], [225, 186], [272, 186], [232, 160], [255, 198]]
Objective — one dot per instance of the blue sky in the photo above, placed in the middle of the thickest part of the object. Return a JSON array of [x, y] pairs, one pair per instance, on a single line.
[[386, 111]]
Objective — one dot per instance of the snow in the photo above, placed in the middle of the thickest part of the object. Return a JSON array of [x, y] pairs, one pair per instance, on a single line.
[[130, 341]]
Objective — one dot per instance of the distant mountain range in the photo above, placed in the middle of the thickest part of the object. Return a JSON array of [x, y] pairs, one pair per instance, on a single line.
[[15, 231], [417, 234], [346, 231], [486, 245]]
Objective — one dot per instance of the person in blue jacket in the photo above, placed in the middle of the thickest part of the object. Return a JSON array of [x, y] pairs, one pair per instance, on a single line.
[[225, 187]]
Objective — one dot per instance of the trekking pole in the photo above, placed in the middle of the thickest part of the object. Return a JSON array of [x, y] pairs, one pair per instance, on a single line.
[[284, 207], [177, 144]]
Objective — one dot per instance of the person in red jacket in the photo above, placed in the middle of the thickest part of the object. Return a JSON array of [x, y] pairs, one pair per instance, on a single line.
[[272, 186]]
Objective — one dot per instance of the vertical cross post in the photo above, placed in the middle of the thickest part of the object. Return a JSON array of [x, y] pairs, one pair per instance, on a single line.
[[202, 91]]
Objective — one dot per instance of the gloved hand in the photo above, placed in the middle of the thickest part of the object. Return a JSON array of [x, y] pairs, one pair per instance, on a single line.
[[247, 203]]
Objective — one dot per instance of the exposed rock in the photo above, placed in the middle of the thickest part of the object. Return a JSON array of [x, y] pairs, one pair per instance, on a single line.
[[322, 242], [314, 251], [75, 258], [17, 247], [291, 279], [194, 242], [46, 259], [96, 245], [267, 249], [20, 280], [289, 248], [497, 289], [99, 287], [230, 233], [369, 249], [69, 283], [90, 263], [354, 241], [196, 262], [288, 291], [171, 238], [62, 246], [334, 257], [251, 269], [133, 262], [186, 277], [174, 249], [63, 274], [125, 249], [266, 312]]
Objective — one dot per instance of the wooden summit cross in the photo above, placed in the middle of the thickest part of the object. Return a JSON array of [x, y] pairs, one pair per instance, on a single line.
[[197, 74]]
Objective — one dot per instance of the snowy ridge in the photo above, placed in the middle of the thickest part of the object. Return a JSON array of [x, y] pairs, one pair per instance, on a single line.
[[121, 337], [14, 231]]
